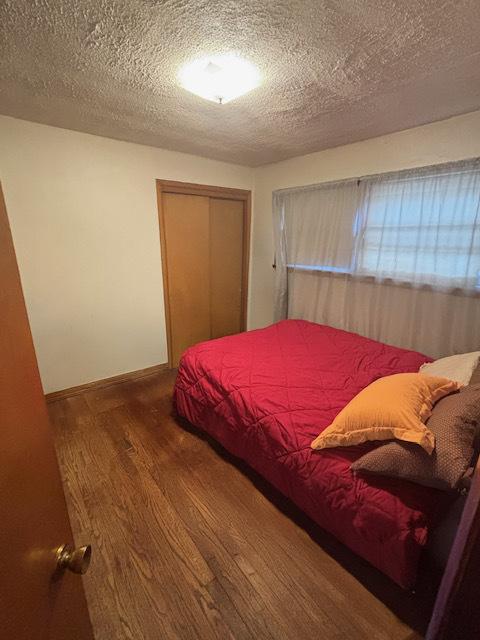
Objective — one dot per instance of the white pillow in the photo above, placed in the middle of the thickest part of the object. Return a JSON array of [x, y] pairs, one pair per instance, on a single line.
[[459, 368]]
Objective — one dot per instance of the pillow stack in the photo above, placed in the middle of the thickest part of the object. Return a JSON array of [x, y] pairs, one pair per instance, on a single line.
[[453, 424], [391, 407], [431, 419]]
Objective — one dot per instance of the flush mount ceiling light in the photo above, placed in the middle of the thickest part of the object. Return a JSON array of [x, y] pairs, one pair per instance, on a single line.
[[219, 78]]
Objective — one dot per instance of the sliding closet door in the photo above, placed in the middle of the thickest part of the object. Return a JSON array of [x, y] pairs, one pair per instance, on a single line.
[[187, 258], [226, 266], [204, 236]]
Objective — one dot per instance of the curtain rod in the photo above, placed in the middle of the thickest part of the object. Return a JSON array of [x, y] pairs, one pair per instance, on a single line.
[[421, 170]]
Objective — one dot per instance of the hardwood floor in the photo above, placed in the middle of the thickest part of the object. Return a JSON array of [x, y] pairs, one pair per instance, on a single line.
[[189, 543]]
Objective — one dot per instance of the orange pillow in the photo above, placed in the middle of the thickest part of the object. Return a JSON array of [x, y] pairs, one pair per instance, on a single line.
[[392, 407]]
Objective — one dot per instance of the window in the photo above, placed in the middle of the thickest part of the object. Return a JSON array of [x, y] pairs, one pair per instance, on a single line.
[[423, 229], [420, 226], [317, 227]]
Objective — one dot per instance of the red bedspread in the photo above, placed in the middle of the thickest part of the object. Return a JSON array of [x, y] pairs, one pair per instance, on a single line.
[[266, 394]]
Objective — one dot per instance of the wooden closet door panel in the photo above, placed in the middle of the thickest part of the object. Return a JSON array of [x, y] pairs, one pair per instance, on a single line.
[[186, 228], [226, 265]]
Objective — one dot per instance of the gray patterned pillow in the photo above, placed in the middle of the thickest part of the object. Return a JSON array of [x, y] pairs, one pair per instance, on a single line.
[[454, 421]]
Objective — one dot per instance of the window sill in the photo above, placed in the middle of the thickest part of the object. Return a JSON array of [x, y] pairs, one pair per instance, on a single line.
[[340, 272]]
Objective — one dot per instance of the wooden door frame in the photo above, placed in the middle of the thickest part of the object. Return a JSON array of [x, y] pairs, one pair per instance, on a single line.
[[466, 542], [210, 191]]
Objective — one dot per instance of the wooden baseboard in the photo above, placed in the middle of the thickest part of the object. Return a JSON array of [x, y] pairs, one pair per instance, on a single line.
[[106, 382]]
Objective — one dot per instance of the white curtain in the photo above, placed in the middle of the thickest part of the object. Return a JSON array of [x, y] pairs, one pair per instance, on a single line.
[[394, 257]]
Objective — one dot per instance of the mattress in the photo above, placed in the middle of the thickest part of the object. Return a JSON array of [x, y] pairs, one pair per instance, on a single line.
[[266, 394]]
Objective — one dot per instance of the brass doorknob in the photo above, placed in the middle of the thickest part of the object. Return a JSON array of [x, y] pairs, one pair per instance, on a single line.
[[75, 560]]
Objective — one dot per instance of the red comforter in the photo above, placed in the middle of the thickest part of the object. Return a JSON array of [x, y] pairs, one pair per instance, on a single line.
[[266, 394]]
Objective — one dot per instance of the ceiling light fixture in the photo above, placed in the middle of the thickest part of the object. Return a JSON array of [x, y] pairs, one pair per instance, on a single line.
[[219, 78]]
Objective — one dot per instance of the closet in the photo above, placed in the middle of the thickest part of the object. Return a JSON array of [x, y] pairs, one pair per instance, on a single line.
[[204, 235]]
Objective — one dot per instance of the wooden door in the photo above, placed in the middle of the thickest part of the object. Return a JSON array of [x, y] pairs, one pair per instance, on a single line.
[[226, 266], [187, 251], [204, 234], [36, 601], [456, 614]]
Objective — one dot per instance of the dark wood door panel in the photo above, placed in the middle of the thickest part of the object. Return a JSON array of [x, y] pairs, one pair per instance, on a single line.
[[32, 505]]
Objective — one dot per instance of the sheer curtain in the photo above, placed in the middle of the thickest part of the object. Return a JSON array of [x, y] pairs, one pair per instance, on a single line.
[[394, 257]]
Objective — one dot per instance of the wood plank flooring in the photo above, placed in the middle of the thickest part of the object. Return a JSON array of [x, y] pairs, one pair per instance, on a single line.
[[188, 543]]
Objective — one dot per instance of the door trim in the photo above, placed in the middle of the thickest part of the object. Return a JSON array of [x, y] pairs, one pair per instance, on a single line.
[[466, 542], [227, 193]]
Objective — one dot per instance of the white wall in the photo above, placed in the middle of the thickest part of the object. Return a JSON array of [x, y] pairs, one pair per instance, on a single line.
[[84, 220], [448, 140]]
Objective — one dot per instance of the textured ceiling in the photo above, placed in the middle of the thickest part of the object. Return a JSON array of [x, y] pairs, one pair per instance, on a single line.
[[334, 71]]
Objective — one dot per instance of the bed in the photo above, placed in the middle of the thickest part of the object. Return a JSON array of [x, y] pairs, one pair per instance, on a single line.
[[266, 394]]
